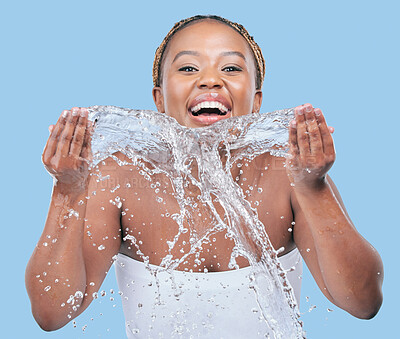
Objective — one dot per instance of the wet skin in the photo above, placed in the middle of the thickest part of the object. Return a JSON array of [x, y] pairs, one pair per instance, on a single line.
[[220, 63]]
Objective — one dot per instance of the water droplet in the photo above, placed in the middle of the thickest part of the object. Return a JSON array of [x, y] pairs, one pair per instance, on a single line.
[[47, 288], [78, 294], [312, 308], [101, 247]]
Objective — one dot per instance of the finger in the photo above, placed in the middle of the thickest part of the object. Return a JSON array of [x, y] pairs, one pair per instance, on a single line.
[[327, 140], [51, 145], [79, 134], [86, 152], [64, 142], [313, 131], [302, 134], [293, 146], [293, 154], [331, 129], [51, 127]]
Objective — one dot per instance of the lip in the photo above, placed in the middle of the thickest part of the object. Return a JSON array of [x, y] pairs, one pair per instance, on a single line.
[[208, 120]]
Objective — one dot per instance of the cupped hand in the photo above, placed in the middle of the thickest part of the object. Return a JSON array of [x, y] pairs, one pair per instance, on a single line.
[[311, 148], [67, 153]]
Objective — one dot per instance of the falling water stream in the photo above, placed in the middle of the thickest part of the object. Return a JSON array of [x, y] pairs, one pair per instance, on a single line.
[[204, 157]]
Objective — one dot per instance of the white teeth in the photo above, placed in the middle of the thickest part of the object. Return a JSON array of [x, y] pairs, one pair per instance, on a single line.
[[209, 104]]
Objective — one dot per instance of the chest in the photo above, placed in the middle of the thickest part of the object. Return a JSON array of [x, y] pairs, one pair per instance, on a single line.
[[155, 227]]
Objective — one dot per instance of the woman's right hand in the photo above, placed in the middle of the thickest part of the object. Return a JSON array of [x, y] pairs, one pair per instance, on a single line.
[[67, 153]]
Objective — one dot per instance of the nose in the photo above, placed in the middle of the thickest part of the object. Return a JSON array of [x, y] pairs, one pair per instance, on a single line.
[[209, 78]]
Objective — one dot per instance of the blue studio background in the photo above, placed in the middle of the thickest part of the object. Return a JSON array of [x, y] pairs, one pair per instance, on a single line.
[[341, 56]]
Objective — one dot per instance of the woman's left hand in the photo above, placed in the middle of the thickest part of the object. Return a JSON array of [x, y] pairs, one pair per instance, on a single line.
[[311, 148]]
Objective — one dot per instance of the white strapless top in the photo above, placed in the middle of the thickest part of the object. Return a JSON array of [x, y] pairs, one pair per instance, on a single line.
[[194, 305]]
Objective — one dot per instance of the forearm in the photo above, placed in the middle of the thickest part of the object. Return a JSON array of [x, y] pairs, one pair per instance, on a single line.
[[56, 270], [350, 267]]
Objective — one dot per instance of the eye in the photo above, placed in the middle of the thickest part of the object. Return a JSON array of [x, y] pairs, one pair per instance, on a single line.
[[231, 69], [187, 69]]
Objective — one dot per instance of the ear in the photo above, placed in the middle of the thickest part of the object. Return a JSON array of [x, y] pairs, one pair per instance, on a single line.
[[257, 101], [158, 98]]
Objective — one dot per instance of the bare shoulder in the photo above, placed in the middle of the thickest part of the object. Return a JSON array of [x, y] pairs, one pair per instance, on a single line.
[[273, 168]]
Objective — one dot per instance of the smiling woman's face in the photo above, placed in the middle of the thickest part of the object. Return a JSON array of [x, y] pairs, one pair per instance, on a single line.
[[209, 74]]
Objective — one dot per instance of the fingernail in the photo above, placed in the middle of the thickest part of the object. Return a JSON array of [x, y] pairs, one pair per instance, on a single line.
[[65, 113], [299, 111], [317, 112], [293, 123], [83, 113], [74, 112], [308, 108]]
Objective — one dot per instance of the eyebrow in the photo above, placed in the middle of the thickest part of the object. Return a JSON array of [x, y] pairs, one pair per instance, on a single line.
[[185, 53], [234, 53], [198, 54]]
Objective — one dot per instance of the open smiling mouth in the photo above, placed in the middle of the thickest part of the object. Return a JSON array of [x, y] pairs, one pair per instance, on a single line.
[[208, 108]]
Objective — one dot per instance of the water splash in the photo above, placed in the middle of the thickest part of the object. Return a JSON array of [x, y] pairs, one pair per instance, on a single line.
[[204, 157]]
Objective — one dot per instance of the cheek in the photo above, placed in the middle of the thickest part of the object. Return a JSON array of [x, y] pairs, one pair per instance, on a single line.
[[171, 93], [244, 98]]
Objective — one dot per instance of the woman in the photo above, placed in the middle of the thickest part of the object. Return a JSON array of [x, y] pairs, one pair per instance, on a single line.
[[207, 69]]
